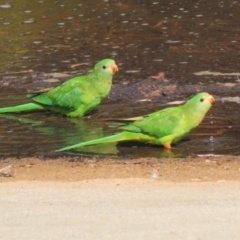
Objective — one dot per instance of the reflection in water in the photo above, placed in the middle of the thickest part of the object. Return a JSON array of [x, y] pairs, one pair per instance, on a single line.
[[81, 130], [42, 137]]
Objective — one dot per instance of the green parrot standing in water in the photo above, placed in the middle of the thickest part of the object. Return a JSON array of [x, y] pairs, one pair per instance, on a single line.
[[163, 127], [77, 96]]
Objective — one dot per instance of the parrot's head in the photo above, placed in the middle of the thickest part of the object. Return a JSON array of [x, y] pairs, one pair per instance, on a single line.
[[200, 103], [205, 97], [106, 66]]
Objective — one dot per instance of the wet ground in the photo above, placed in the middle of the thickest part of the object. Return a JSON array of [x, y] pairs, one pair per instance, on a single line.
[[195, 45]]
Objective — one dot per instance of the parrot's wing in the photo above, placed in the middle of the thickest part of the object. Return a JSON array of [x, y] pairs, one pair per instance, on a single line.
[[162, 123], [69, 95], [158, 124]]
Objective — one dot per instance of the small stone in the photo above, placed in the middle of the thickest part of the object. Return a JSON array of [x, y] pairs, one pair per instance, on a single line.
[[154, 175], [6, 171]]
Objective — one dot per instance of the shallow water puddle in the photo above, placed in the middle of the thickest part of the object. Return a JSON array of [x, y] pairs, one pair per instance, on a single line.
[[40, 133]]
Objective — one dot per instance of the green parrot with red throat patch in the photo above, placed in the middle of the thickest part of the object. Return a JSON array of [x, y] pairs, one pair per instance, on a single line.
[[75, 97], [163, 127]]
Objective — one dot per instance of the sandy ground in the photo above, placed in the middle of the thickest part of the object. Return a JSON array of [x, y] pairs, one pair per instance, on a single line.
[[192, 198]]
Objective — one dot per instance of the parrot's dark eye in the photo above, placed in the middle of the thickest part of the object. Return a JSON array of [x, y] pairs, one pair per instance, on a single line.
[[104, 67], [201, 100]]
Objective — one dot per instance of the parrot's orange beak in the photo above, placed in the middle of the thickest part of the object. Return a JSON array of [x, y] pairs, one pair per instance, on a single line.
[[114, 68], [211, 99]]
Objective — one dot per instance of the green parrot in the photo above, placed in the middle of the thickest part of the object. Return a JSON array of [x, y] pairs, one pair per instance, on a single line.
[[77, 96], [163, 127]]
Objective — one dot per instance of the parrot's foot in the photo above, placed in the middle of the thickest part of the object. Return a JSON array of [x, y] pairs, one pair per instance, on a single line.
[[167, 146]]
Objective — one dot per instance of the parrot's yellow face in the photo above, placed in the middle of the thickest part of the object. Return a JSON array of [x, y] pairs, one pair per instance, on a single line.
[[205, 99], [200, 104]]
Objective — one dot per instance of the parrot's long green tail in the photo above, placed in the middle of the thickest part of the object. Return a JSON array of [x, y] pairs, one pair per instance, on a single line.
[[123, 136], [21, 108]]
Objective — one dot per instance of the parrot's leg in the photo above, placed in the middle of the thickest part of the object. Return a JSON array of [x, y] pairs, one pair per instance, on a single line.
[[167, 145]]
